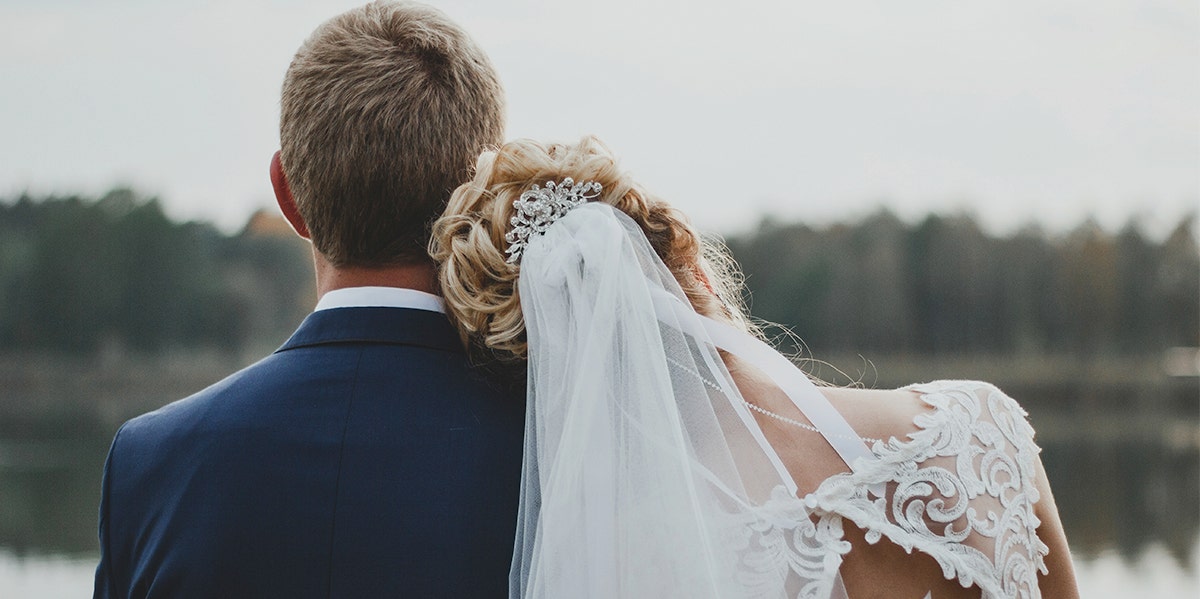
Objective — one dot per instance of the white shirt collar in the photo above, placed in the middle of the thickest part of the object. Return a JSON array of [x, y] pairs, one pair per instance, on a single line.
[[376, 297]]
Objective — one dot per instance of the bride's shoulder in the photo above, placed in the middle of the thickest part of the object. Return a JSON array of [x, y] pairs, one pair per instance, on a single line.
[[885, 413]]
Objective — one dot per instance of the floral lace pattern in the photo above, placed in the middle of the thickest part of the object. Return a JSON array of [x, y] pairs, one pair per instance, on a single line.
[[785, 551], [960, 489]]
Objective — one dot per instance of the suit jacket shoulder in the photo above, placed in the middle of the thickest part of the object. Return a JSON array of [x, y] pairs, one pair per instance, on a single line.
[[363, 458]]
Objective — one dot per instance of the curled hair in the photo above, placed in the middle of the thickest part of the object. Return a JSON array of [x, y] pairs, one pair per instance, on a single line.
[[480, 287]]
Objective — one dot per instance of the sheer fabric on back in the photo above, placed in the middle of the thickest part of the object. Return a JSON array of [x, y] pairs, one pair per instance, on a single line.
[[644, 472]]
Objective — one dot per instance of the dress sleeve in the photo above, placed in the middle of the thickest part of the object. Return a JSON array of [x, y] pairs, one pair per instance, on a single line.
[[972, 486], [962, 489]]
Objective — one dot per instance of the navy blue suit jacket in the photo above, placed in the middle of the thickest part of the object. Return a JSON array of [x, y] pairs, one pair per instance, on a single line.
[[362, 459]]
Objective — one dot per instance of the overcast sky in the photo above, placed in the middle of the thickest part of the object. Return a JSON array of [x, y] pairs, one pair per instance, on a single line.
[[1015, 111]]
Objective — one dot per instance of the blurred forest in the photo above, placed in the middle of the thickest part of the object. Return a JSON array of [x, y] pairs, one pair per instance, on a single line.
[[88, 276], [113, 275], [944, 286]]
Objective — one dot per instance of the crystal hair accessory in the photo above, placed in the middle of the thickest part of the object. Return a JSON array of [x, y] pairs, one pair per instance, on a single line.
[[540, 207]]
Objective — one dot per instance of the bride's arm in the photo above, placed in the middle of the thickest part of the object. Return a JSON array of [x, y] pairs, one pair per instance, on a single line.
[[1060, 581]]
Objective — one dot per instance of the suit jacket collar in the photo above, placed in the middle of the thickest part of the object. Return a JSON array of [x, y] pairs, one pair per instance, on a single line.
[[399, 326]]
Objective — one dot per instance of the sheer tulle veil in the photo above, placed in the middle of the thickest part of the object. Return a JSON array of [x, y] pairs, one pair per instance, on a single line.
[[645, 474]]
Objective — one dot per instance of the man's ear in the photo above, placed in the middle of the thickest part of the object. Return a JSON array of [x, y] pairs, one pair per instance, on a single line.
[[283, 195]]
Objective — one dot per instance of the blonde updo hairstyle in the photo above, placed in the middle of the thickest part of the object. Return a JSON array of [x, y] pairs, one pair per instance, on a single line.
[[480, 287]]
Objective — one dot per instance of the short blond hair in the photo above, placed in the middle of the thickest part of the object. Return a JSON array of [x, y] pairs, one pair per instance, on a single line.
[[480, 286], [384, 109]]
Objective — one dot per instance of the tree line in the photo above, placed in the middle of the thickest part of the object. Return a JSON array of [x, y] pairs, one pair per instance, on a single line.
[[81, 275], [944, 286]]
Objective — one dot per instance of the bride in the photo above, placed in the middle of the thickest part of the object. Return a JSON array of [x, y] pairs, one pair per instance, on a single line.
[[672, 453]]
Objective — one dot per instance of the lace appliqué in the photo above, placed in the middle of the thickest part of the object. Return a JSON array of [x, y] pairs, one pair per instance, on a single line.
[[961, 490], [787, 552]]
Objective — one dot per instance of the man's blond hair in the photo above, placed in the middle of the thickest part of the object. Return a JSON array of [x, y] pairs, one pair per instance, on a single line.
[[385, 108]]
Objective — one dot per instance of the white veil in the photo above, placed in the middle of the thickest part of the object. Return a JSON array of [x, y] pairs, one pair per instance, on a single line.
[[645, 474]]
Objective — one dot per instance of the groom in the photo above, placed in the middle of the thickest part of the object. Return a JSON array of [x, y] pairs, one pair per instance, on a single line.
[[364, 458]]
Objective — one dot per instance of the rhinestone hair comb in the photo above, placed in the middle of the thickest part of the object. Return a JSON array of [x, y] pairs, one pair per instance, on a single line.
[[540, 207]]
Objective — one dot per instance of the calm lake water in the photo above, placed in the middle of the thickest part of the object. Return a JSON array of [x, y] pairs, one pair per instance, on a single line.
[[1130, 503]]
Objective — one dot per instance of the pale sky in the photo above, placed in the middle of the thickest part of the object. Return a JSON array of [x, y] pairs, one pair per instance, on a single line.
[[818, 111]]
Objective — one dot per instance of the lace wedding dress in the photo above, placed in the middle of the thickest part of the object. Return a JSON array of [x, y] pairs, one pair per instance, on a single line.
[[647, 474], [961, 489]]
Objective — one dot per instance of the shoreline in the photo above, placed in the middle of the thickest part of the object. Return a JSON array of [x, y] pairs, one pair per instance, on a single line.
[[1119, 398]]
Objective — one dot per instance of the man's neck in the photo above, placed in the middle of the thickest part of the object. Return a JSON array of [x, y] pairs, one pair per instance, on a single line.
[[419, 276]]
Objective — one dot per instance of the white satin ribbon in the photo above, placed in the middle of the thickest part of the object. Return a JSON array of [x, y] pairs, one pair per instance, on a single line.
[[803, 393], [798, 387]]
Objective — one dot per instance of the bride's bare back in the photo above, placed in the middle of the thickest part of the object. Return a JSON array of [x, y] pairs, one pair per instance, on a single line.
[[884, 569]]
